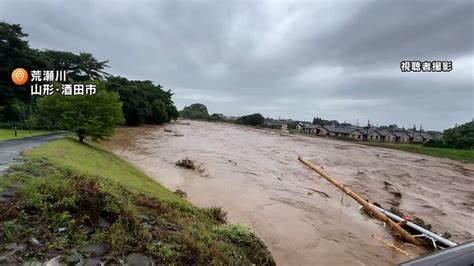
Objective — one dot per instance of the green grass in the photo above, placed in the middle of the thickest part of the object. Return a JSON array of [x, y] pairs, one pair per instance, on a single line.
[[90, 159], [64, 189], [453, 154], [6, 134]]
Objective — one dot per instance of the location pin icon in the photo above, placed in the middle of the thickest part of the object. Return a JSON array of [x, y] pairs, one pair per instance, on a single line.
[[19, 76]]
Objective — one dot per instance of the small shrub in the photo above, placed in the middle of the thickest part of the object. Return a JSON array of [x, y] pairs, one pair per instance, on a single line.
[[186, 163], [217, 214], [157, 206], [163, 251], [435, 143], [255, 250], [181, 193], [9, 228]]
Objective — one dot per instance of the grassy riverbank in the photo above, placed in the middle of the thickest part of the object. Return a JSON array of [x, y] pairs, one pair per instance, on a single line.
[[70, 197], [453, 154], [6, 134]]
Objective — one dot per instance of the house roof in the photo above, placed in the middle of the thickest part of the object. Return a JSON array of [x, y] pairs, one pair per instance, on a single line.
[[374, 130], [343, 130], [311, 126], [400, 133], [385, 132], [424, 135]]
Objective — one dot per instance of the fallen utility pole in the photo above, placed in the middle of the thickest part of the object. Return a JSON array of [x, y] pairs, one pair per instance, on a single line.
[[363, 202], [418, 228]]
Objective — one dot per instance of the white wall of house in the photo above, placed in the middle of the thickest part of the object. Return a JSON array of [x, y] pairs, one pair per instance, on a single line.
[[418, 138], [356, 135], [374, 136], [390, 138], [405, 139], [322, 131]]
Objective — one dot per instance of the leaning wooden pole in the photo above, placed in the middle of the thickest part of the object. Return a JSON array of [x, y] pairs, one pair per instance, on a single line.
[[362, 202]]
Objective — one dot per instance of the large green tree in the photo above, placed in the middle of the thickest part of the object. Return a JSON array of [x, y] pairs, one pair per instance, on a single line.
[[195, 111], [252, 120], [143, 102], [460, 137], [89, 115], [79, 67]]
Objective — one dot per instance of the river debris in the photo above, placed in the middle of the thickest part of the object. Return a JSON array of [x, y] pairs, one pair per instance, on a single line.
[[168, 130], [322, 193], [391, 188], [186, 163], [392, 246], [395, 191]]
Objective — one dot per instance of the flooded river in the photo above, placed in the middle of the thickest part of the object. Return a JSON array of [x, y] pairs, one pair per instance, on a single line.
[[255, 176]]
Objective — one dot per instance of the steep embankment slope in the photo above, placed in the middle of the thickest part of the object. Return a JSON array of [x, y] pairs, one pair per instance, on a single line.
[[73, 202]]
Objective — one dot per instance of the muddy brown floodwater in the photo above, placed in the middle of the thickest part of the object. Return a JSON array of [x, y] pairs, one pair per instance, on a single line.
[[255, 176]]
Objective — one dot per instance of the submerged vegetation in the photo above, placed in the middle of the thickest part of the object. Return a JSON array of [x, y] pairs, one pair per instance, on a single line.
[[186, 163], [61, 201]]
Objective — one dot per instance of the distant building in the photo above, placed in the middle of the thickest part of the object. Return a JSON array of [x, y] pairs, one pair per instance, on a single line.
[[374, 135], [309, 129], [322, 131], [421, 137], [284, 126], [401, 136], [299, 126], [346, 132], [387, 135], [435, 134], [368, 133]]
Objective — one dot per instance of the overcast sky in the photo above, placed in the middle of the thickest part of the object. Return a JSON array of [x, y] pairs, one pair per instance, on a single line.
[[289, 59]]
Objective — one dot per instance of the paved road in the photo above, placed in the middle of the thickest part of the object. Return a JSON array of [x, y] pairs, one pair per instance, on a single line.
[[10, 149]]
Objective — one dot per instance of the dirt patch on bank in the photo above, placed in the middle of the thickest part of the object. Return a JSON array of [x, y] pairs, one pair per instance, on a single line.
[[255, 175]]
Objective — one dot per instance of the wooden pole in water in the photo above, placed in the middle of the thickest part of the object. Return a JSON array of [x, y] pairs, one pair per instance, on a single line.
[[392, 246], [362, 202]]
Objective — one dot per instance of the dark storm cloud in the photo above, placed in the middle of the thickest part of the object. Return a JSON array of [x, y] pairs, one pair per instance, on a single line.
[[283, 59]]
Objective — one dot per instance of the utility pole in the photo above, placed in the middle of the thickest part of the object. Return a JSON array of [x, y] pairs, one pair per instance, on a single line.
[[368, 126]]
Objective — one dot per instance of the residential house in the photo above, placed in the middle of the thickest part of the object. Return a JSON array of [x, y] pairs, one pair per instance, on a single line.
[[374, 135], [346, 132], [299, 126], [284, 125], [309, 129], [421, 137], [435, 134], [322, 131], [387, 135], [401, 136]]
